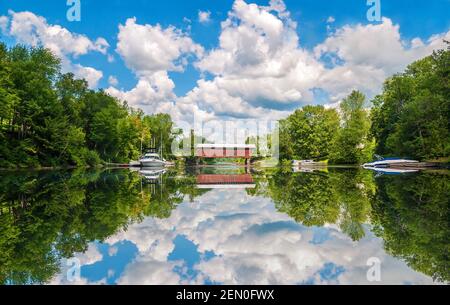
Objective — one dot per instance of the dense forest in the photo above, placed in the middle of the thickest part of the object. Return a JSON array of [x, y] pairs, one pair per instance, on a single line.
[[51, 119]]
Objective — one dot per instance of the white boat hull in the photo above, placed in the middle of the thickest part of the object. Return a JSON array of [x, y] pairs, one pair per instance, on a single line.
[[152, 163]]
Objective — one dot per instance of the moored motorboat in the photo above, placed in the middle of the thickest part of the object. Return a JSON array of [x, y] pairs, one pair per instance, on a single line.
[[152, 160], [391, 163]]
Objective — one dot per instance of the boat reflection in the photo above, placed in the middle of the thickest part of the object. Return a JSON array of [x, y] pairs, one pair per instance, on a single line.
[[150, 174], [309, 169], [391, 171]]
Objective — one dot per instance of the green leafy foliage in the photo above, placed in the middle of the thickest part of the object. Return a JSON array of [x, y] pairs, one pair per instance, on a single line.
[[308, 133], [353, 144], [52, 119], [314, 132], [411, 117]]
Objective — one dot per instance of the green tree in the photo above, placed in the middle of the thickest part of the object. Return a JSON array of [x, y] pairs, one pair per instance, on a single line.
[[411, 117], [52, 119], [163, 133], [353, 144], [72, 94], [308, 133]]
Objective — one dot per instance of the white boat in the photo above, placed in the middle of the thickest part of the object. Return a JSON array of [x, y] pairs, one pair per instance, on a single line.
[[385, 163], [152, 160]]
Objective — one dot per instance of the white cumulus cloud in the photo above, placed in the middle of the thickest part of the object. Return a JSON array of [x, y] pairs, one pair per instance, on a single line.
[[4, 20], [91, 75], [204, 16], [147, 49], [369, 54], [30, 29], [259, 69], [113, 81], [151, 51], [153, 90]]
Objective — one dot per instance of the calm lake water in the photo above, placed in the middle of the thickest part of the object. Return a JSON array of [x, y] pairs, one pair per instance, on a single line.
[[224, 226]]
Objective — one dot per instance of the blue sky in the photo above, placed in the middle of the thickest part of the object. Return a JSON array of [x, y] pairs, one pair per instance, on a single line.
[[414, 19]]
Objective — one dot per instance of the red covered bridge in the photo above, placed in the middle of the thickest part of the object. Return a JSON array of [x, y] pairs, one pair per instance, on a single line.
[[225, 150]]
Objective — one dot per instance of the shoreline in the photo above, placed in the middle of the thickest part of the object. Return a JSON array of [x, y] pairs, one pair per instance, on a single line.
[[47, 168], [423, 166]]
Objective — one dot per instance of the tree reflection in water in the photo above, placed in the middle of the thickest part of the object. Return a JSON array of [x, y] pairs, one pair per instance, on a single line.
[[314, 199], [47, 216], [409, 212]]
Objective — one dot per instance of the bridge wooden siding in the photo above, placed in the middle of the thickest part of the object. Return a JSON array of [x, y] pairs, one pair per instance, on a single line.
[[224, 179], [225, 151]]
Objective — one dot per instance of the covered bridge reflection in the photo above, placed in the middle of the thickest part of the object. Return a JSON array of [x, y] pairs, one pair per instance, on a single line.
[[211, 181]]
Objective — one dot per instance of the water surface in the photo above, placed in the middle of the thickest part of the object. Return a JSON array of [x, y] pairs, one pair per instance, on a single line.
[[223, 226]]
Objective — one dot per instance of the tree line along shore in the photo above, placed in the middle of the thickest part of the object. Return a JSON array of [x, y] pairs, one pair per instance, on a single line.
[[51, 119]]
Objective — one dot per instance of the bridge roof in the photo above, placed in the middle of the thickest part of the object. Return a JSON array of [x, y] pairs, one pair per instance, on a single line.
[[250, 146]]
